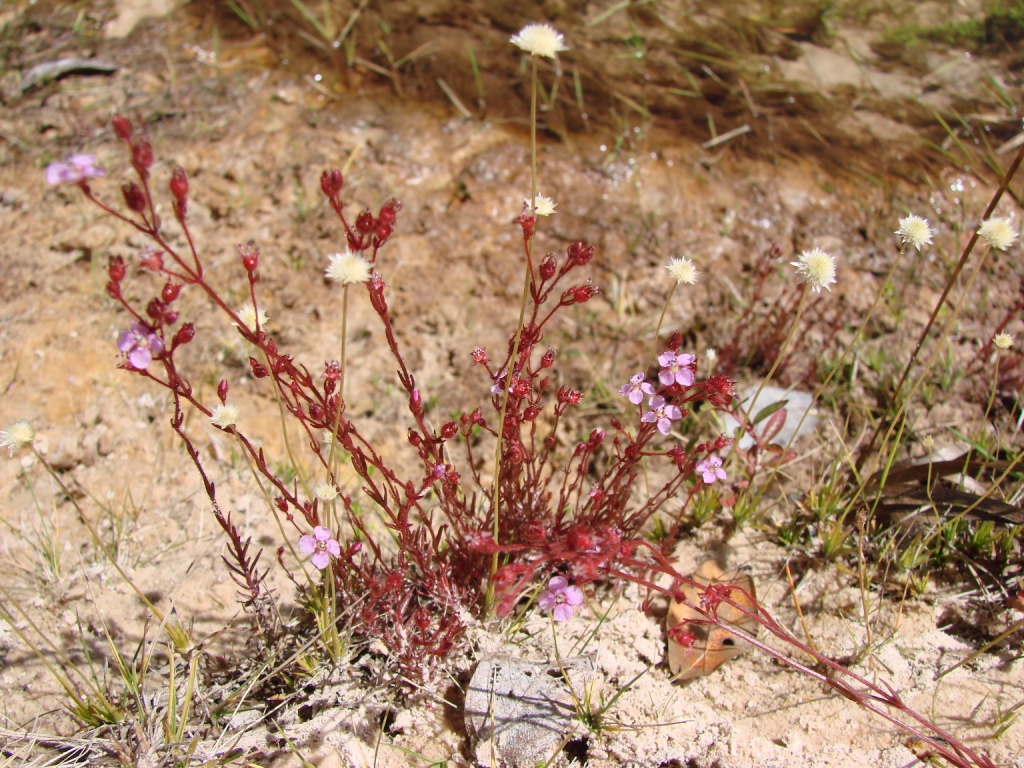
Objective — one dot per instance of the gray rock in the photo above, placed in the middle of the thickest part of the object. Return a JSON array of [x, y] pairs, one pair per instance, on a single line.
[[520, 712]]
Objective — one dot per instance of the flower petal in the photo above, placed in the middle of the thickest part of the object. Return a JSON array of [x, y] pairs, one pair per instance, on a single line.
[[558, 584]]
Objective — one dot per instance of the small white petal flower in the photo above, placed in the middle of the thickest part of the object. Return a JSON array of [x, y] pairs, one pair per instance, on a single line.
[[17, 435], [540, 40], [997, 233], [224, 416], [816, 268], [325, 491], [348, 268], [915, 231], [683, 270], [542, 206], [248, 315], [1003, 340]]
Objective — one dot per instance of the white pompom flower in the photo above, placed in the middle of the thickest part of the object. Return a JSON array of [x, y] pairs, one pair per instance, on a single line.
[[683, 270], [542, 206], [1003, 340], [17, 435], [816, 268], [540, 40], [224, 416], [915, 231], [997, 233], [348, 268]]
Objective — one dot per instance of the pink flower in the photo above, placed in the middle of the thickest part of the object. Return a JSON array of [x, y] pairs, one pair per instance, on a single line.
[[711, 468], [77, 168], [675, 369], [661, 413], [321, 546], [140, 345], [560, 598], [636, 389]]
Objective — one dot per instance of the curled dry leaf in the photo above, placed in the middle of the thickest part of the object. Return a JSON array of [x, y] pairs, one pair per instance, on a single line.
[[713, 645]]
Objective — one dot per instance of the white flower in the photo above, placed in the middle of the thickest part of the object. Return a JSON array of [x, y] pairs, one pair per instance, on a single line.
[[249, 316], [224, 416], [540, 40], [348, 268], [817, 269], [325, 491], [915, 230], [997, 233], [1003, 340], [542, 206], [683, 271], [17, 435]]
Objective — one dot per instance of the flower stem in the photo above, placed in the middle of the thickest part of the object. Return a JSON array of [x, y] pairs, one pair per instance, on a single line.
[[778, 359], [527, 279]]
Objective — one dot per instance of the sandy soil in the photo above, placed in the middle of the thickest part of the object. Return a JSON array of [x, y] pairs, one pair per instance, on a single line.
[[253, 142]]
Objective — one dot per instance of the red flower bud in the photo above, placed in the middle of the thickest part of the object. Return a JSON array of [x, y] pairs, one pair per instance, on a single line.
[[122, 127], [570, 396], [548, 359], [142, 155], [281, 503], [449, 430], [681, 635], [259, 370], [479, 356], [383, 232], [222, 391], [421, 618], [389, 211], [170, 292], [114, 290], [580, 253], [584, 293], [531, 413], [527, 221], [134, 197], [331, 182], [185, 334], [116, 269], [179, 183], [675, 341], [547, 267], [249, 253], [364, 222]]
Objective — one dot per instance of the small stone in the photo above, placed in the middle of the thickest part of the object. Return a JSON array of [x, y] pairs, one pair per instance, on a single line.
[[520, 712]]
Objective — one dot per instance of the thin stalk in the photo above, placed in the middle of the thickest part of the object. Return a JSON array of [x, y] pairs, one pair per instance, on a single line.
[[778, 359], [1011, 171], [527, 279], [331, 469]]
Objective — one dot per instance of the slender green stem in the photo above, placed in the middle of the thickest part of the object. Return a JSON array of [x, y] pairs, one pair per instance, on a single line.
[[331, 469], [284, 429], [657, 329], [943, 335], [778, 359], [835, 369], [527, 278]]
